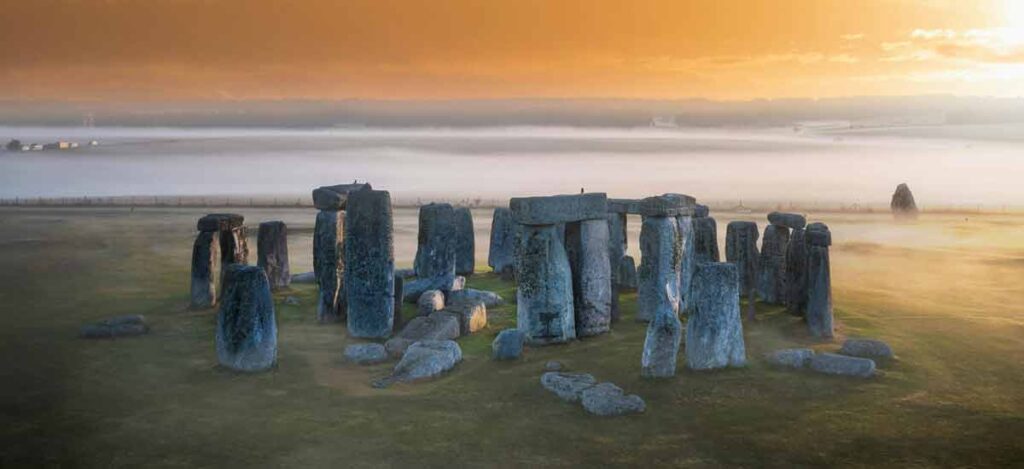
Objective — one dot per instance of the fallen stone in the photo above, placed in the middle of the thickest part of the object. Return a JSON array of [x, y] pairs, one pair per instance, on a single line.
[[415, 288], [272, 253], [552, 365], [246, 334], [658, 275], [791, 358], [661, 346], [115, 327], [205, 268], [430, 301], [508, 345], [465, 243], [832, 364], [424, 360], [366, 354], [587, 249], [329, 265], [220, 222], [668, 205], [433, 327], [501, 252], [555, 209], [771, 281], [787, 220], [627, 274], [903, 204], [544, 306], [568, 386], [472, 316], [472, 295], [335, 197], [405, 273], [435, 251], [608, 400], [369, 264], [866, 348], [305, 277], [714, 332]]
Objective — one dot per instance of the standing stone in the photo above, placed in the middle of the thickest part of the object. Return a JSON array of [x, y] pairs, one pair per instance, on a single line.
[[617, 244], [334, 198], [741, 249], [587, 249], [234, 247], [544, 307], [796, 273], [701, 211], [329, 265], [771, 282], [627, 274], [465, 244], [246, 325], [369, 264], [705, 240], [435, 253], [819, 281], [272, 253], [903, 204], [661, 345], [658, 276], [687, 262], [205, 268], [500, 257], [397, 325], [714, 332]]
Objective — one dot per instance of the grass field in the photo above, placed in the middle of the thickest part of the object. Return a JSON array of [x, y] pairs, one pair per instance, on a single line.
[[945, 292]]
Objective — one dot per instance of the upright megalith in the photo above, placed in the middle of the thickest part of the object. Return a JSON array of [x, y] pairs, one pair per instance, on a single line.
[[465, 244], [819, 281], [796, 273], [661, 251], [205, 270], [661, 345], [272, 253], [544, 296], [246, 335], [369, 264], [741, 249], [714, 331], [329, 249], [903, 204], [705, 240], [234, 245], [701, 211], [771, 280], [587, 249], [627, 274], [688, 260], [617, 244], [435, 251], [500, 256]]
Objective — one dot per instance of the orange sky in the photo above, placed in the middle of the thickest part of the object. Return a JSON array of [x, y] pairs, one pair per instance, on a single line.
[[320, 49]]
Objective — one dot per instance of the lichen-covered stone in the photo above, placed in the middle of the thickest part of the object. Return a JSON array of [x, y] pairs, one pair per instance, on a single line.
[[335, 197], [628, 280], [424, 359], [501, 255], [369, 264], [246, 333], [567, 386], [416, 288], [624, 206], [550, 210], [866, 348], [790, 358], [366, 354], [903, 204], [771, 282], [587, 249], [488, 298], [705, 240], [741, 250], [819, 282], [609, 400], [661, 346], [435, 252], [544, 306], [329, 265], [832, 364], [472, 316], [205, 270], [272, 253], [796, 273], [430, 301], [714, 332], [687, 262], [617, 244], [668, 205], [465, 242], [433, 327], [787, 220], [658, 276], [508, 345]]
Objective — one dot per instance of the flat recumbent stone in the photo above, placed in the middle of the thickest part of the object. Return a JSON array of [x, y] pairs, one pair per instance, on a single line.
[[556, 209], [335, 197], [788, 220]]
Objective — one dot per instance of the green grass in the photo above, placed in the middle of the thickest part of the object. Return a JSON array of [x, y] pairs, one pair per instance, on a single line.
[[953, 398]]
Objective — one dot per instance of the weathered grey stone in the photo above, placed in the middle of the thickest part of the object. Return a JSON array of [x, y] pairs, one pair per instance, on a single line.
[[246, 334], [658, 276], [115, 327], [787, 220], [544, 308], [472, 316], [687, 261], [741, 249], [555, 209], [714, 332], [701, 211], [568, 386], [705, 240], [397, 302], [472, 295], [608, 400], [661, 346], [771, 282], [205, 269], [628, 280], [405, 273], [501, 255], [424, 360], [903, 204], [587, 249], [329, 265], [624, 206], [790, 358], [617, 244], [668, 205], [369, 264], [305, 277], [415, 288], [335, 197], [220, 222], [234, 247], [553, 365], [866, 348], [433, 327], [465, 242], [272, 253], [796, 273], [435, 252], [366, 354], [819, 282], [430, 301], [832, 364], [508, 345]]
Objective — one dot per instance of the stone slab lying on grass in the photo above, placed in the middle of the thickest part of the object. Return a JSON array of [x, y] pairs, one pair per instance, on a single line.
[[415, 288], [366, 354], [608, 400], [472, 295], [119, 326], [866, 348], [430, 301], [555, 209], [567, 386], [433, 327], [832, 364], [791, 357], [471, 316], [508, 345], [424, 360]]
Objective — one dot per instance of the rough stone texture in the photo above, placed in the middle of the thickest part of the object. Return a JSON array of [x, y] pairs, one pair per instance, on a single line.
[[796, 273], [272, 253], [501, 255], [465, 242], [832, 364], [714, 332], [405, 273], [790, 358], [608, 400], [415, 288], [234, 247], [661, 347], [903, 204], [741, 249], [568, 386], [624, 206], [472, 316], [628, 280], [687, 262], [819, 282], [305, 277], [472, 295], [787, 220], [220, 222], [369, 264], [430, 302], [508, 345], [701, 211], [366, 354], [544, 306], [115, 327], [335, 197], [205, 269], [329, 265], [246, 334], [658, 276], [397, 302], [424, 360], [617, 244], [433, 327], [668, 205], [705, 240], [555, 209], [435, 252], [771, 282], [587, 249], [866, 348]]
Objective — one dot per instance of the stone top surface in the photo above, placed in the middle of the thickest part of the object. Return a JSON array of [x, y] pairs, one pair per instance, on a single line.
[[743, 225], [630, 206], [701, 211], [818, 234], [555, 209], [668, 205], [335, 197], [788, 220], [220, 221]]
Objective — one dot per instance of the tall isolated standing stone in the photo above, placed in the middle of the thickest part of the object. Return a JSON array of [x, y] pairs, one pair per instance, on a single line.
[[796, 273], [714, 331], [272, 253], [587, 249], [819, 281], [205, 269], [661, 345], [741, 249], [435, 252], [661, 252], [903, 204], [246, 335], [688, 262], [465, 244], [329, 249], [500, 256], [370, 264], [771, 281]]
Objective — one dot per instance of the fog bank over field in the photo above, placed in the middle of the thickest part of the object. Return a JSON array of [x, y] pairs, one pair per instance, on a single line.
[[945, 165]]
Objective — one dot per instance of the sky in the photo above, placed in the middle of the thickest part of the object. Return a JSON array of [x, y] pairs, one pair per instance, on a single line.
[[139, 50]]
